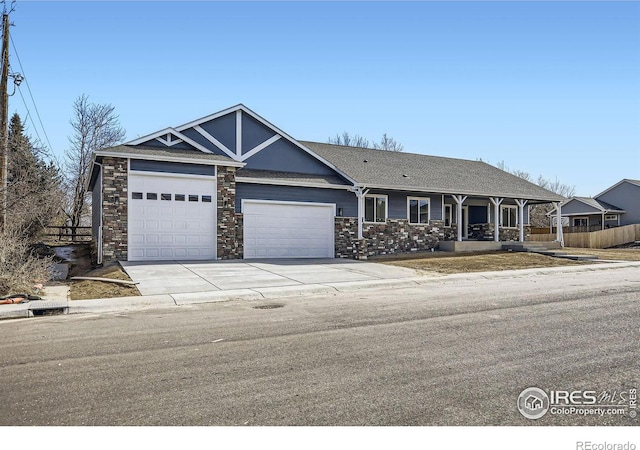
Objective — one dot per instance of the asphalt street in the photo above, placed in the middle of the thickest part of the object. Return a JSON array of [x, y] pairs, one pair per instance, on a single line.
[[448, 353]]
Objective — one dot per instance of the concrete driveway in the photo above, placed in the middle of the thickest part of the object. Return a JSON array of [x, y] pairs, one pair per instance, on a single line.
[[175, 277]]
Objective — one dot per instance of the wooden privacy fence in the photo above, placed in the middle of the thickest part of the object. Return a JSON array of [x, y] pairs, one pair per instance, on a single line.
[[546, 230], [595, 239], [67, 233]]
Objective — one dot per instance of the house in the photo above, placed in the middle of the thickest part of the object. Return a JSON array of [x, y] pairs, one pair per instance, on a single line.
[[233, 185], [616, 206], [533, 403]]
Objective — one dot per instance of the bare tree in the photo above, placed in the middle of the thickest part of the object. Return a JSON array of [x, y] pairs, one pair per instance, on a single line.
[[386, 143], [95, 127], [538, 213], [389, 144], [350, 141]]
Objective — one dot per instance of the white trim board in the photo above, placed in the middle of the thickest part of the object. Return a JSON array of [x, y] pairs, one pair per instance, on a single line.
[[208, 162], [285, 202], [274, 182]]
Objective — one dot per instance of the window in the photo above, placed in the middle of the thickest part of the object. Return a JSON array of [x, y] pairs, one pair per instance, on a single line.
[[136, 195], [581, 222], [375, 208], [611, 217], [152, 196], [193, 198], [206, 198], [509, 216], [165, 196], [448, 213], [179, 197], [418, 210]]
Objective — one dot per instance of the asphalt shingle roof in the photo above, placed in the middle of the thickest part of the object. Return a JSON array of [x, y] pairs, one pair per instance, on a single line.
[[599, 205], [410, 171]]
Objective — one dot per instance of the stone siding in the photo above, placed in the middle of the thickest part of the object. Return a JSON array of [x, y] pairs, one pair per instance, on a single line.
[[484, 232], [394, 236], [114, 209], [346, 237], [229, 236]]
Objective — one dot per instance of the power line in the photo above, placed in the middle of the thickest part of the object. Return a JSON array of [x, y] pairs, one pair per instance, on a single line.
[[31, 95]]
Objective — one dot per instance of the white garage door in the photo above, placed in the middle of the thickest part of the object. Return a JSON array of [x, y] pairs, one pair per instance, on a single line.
[[288, 229], [171, 217]]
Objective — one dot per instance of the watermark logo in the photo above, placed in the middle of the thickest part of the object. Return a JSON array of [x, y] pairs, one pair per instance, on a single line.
[[533, 403]]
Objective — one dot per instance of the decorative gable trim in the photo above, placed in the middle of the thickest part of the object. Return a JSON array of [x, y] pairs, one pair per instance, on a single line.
[[214, 141], [165, 136], [237, 154]]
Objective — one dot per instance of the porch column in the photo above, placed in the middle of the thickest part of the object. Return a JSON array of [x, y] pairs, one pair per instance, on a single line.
[[360, 193], [559, 235], [602, 221], [521, 204], [496, 216], [459, 200]]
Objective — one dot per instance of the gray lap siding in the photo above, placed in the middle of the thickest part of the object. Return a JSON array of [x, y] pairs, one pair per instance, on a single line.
[[342, 198]]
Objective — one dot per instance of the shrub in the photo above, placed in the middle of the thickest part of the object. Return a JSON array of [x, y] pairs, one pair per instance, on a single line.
[[20, 267]]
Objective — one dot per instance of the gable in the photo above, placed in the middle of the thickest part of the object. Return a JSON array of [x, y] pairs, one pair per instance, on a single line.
[[242, 135], [575, 206], [283, 156], [625, 195]]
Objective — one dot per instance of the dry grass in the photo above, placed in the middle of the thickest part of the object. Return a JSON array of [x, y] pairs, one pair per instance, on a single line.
[[85, 289], [487, 262], [616, 254], [20, 267]]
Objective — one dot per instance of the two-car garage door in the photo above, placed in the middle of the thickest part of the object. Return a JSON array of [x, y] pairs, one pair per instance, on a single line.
[[288, 229]]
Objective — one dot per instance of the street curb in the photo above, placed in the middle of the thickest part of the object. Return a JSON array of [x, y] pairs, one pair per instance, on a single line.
[[350, 286], [215, 296], [120, 303], [19, 311], [294, 291]]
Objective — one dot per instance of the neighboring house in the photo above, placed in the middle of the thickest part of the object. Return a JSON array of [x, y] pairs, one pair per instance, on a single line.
[[616, 206], [232, 185]]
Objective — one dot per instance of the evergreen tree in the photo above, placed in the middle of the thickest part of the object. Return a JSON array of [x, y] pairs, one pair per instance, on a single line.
[[33, 184]]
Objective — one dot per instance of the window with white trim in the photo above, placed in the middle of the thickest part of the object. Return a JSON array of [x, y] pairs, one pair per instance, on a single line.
[[418, 210], [375, 208], [611, 217], [448, 214], [509, 216], [580, 221]]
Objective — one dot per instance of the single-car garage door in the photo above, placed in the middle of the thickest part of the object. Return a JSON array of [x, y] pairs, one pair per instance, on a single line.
[[171, 217], [288, 229]]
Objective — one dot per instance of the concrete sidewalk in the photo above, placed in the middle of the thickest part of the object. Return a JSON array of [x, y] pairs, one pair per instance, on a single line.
[[154, 301]]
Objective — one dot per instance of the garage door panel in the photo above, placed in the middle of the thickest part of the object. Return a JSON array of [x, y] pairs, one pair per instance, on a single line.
[[288, 230], [166, 228]]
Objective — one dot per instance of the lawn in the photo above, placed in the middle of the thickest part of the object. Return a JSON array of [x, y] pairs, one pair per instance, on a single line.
[[89, 289], [444, 263], [616, 254]]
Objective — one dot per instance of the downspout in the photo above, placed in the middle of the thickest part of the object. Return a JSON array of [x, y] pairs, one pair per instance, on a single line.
[[99, 243]]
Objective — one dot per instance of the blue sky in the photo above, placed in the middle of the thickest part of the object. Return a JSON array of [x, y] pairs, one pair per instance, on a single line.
[[551, 88]]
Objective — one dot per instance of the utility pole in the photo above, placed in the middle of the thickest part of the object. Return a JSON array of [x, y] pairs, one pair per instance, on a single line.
[[4, 99]]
